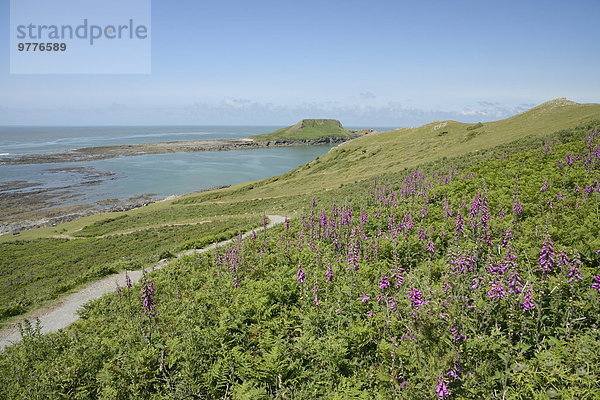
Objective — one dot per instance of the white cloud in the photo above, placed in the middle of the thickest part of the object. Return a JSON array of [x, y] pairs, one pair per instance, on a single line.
[[367, 95], [240, 111]]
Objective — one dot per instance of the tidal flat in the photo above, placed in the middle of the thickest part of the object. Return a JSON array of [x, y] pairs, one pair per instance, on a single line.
[[42, 194], [128, 150]]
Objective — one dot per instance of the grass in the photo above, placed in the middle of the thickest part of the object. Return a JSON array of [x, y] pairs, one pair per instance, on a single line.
[[334, 177], [34, 272]]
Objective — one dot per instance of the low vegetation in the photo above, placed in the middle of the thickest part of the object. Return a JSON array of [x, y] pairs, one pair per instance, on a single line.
[[34, 272], [418, 265]]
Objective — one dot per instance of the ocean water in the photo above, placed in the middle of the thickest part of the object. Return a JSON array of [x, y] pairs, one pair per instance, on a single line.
[[158, 175], [39, 140]]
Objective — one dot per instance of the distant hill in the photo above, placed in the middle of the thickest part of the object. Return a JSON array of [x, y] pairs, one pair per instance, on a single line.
[[370, 155], [309, 130]]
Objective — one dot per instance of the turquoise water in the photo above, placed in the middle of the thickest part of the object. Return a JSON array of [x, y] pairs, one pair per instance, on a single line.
[[159, 175]]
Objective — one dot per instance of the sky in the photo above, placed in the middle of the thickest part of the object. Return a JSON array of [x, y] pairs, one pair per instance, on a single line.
[[378, 63]]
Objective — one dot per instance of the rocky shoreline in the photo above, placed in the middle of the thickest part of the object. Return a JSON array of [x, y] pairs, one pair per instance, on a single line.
[[27, 205], [58, 215], [105, 152]]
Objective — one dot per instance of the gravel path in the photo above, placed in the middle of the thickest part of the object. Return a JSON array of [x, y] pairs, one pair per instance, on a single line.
[[64, 313]]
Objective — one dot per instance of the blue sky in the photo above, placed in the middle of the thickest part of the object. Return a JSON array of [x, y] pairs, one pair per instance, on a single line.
[[381, 63]]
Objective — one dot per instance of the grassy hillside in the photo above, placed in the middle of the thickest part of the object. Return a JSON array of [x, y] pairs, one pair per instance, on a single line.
[[392, 151], [39, 271], [470, 277], [333, 177], [369, 156], [308, 129]]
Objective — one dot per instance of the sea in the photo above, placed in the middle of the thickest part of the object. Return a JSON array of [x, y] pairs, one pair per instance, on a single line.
[[155, 175]]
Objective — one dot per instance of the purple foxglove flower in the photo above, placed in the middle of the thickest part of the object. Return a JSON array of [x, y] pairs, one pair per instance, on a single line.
[[323, 220], [501, 213], [574, 274], [430, 246], [407, 222], [364, 217], [397, 276], [517, 207], [300, 277], [148, 299], [515, 284], [416, 298], [457, 335], [353, 253], [127, 280], [462, 263], [384, 282], [596, 283], [497, 291], [527, 303], [346, 215], [329, 274], [477, 207], [547, 258], [442, 389], [569, 159], [446, 287], [506, 238], [446, 207], [475, 282], [459, 228], [452, 374]]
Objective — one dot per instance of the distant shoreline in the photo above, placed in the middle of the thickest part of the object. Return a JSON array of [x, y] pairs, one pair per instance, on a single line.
[[105, 152]]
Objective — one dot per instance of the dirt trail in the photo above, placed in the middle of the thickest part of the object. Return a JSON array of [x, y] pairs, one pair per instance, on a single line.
[[64, 313]]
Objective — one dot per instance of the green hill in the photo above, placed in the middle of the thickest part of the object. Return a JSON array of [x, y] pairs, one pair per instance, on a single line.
[[309, 130], [450, 261], [378, 153]]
